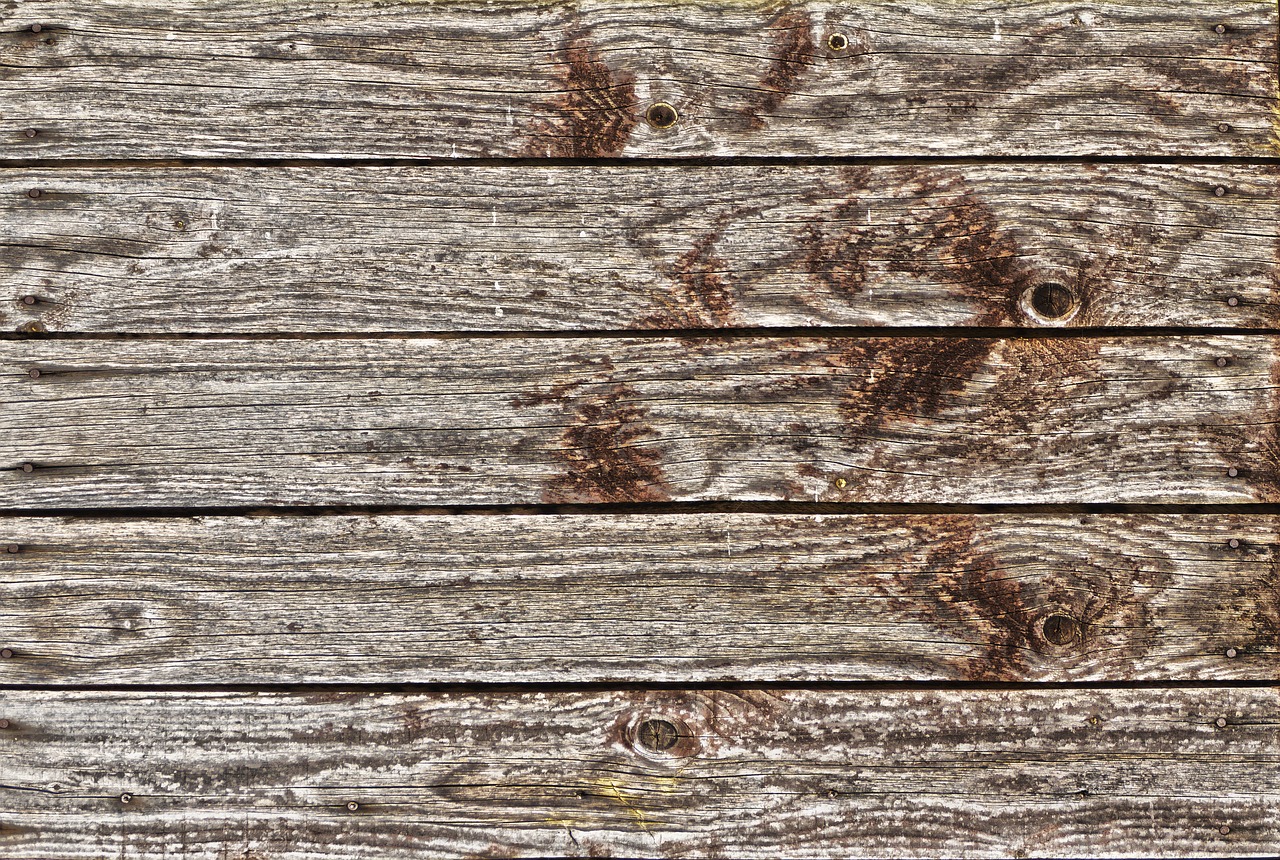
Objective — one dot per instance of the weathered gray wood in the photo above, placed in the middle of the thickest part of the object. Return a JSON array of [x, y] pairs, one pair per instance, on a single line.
[[481, 421], [664, 598], [749, 773], [522, 248], [312, 78]]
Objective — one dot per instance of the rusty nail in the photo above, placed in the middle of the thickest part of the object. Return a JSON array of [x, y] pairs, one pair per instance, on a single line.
[[1231, 653], [4, 724], [1220, 722], [29, 300], [1221, 362], [1220, 29], [6, 653], [1234, 543], [841, 483], [1224, 127], [352, 806], [837, 41], [657, 735], [126, 797], [661, 115], [1224, 830], [36, 28], [1233, 301], [1233, 472], [34, 193], [1220, 191], [31, 132], [14, 548]]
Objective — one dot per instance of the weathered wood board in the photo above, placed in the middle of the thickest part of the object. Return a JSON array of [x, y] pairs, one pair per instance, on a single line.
[[320, 79], [740, 773], [470, 421], [267, 250], [639, 599]]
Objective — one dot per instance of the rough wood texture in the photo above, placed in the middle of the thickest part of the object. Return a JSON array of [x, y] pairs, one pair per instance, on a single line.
[[745, 773], [483, 421], [683, 598], [524, 248], [311, 78]]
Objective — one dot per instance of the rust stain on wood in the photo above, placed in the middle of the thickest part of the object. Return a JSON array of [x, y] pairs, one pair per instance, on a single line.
[[792, 51], [594, 113]]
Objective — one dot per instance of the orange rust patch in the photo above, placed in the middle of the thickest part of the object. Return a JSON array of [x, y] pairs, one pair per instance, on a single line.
[[792, 52], [593, 115]]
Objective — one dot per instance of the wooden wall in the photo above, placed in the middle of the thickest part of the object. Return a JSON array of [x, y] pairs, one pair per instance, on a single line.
[[443, 428]]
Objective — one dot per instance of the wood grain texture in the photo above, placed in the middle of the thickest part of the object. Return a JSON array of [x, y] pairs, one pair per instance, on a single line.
[[648, 598], [567, 420], [313, 78], [750, 773], [527, 248]]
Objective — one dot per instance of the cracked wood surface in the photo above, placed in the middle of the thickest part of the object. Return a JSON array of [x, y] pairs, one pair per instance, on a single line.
[[466, 421], [263, 250], [319, 79], [687, 598], [668, 773]]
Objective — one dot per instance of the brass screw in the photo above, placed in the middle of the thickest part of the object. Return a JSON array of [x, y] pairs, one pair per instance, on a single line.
[[661, 115], [841, 483]]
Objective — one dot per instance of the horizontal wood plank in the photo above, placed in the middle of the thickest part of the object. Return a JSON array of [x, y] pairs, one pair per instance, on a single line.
[[458, 421], [648, 598], [544, 248], [317, 79], [742, 773]]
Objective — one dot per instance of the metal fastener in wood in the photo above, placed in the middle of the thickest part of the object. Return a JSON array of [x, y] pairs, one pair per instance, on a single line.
[[6, 653], [31, 132], [34, 193], [1231, 652]]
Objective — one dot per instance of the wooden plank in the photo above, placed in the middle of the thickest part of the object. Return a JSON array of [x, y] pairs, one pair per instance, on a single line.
[[649, 598], [317, 79], [744, 773], [521, 248], [566, 420]]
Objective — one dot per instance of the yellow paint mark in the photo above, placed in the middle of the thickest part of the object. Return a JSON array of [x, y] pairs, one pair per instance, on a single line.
[[611, 789]]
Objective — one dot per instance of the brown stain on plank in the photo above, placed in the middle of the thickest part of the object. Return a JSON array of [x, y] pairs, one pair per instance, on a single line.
[[594, 113], [792, 50]]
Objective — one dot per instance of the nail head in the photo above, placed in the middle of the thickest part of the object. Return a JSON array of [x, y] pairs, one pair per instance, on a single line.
[[657, 735], [1224, 830], [1224, 127], [6, 653], [29, 300], [1233, 472], [1221, 362], [31, 132], [36, 28], [4, 724], [1231, 653], [662, 115], [1220, 722], [352, 806], [34, 193], [14, 548], [27, 467], [1233, 301], [1220, 29], [1234, 543], [1220, 191], [34, 373]]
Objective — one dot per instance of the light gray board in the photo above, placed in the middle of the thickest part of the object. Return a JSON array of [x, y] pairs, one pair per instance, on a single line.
[[323, 79], [265, 250]]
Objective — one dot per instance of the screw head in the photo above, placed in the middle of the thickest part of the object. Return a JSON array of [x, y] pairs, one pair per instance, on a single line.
[[840, 483], [1231, 653], [1220, 722], [1220, 29], [34, 373], [126, 798], [1233, 301], [27, 467], [657, 735], [4, 724], [352, 806], [838, 42], [36, 28], [1234, 543], [14, 548], [1224, 127], [661, 115], [1224, 830], [34, 193], [1221, 362], [31, 132], [29, 300], [1220, 191], [1233, 472], [6, 653]]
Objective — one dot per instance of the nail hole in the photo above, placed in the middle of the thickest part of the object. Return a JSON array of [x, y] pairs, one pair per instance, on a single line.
[[837, 41], [657, 735], [661, 115], [1061, 629], [1052, 300]]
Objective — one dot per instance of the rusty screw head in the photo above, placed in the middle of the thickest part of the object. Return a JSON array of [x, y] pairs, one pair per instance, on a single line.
[[1231, 653], [657, 735], [1233, 301], [31, 132], [6, 653], [352, 806], [661, 115], [1220, 722], [34, 193], [838, 42]]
